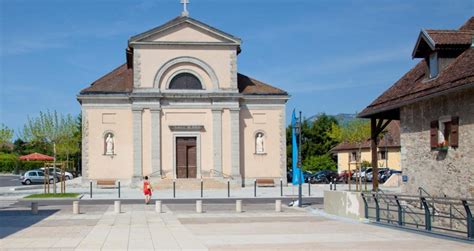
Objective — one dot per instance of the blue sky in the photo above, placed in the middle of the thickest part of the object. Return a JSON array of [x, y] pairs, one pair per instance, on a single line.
[[331, 56]]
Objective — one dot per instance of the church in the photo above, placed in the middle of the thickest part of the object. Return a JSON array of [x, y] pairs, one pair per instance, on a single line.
[[179, 109]]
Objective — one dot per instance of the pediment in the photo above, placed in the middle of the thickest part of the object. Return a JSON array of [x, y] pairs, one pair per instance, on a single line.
[[184, 30]]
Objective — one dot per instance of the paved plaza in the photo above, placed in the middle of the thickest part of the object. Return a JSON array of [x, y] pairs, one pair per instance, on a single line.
[[179, 227]]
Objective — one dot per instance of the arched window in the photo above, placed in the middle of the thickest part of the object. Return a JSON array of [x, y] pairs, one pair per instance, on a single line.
[[185, 81]]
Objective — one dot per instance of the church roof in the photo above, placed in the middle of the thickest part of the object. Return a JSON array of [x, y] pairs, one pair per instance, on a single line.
[[414, 86], [141, 38], [120, 81]]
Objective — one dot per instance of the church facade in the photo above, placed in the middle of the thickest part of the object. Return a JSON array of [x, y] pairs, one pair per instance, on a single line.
[[178, 109]]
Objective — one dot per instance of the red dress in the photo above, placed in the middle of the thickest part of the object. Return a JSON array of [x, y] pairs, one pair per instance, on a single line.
[[146, 188]]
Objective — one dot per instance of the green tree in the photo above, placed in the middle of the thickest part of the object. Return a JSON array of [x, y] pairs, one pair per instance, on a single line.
[[356, 132], [316, 138], [69, 144], [318, 163], [6, 134], [48, 129]]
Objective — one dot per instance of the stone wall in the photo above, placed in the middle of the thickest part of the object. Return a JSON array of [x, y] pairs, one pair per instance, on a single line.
[[344, 203], [440, 173]]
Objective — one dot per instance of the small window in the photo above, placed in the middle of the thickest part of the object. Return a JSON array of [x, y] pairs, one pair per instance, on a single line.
[[185, 81], [41, 174], [433, 65], [353, 156], [33, 174], [382, 155]]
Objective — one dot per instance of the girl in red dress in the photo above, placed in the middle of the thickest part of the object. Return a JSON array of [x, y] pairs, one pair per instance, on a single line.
[[147, 190]]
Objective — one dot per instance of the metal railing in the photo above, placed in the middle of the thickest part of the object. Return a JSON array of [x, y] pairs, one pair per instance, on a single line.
[[453, 215]]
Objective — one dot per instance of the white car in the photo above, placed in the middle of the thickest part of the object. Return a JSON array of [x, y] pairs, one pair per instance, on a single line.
[[67, 175]]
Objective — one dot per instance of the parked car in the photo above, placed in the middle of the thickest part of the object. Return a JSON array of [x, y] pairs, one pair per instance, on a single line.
[[324, 176], [381, 171], [35, 176], [361, 174], [343, 176], [289, 176], [67, 175], [387, 174]]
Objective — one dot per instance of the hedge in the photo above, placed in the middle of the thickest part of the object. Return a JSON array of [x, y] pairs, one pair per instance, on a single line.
[[9, 163]]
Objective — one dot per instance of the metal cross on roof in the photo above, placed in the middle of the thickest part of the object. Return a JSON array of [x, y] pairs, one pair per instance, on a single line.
[[185, 12]]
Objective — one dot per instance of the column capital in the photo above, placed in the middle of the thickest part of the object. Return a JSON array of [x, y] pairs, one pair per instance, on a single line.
[[155, 109], [137, 109]]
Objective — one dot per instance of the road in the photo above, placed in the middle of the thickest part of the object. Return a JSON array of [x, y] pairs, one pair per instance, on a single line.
[[9, 180]]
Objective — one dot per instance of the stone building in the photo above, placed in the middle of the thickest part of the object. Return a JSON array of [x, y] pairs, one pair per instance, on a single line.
[[388, 151], [178, 109], [434, 102]]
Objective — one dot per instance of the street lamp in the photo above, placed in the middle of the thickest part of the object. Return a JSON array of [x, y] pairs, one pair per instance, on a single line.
[[298, 132]]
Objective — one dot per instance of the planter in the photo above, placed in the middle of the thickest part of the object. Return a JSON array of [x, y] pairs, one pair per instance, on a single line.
[[441, 148]]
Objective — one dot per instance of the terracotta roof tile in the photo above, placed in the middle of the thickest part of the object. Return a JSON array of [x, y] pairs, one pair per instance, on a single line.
[[249, 85], [120, 80], [414, 85], [451, 37], [391, 140], [469, 25]]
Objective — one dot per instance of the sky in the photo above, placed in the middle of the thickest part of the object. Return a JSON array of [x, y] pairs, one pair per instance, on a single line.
[[331, 56]]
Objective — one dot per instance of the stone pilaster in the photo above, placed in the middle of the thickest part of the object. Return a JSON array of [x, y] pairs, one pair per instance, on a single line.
[[155, 142], [85, 147], [137, 143], [137, 74], [233, 70], [217, 141], [235, 142]]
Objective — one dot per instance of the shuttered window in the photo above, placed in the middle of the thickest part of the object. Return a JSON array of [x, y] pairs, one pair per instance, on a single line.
[[444, 133], [454, 137], [434, 134]]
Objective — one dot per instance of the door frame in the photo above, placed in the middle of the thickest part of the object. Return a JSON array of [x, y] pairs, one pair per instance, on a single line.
[[196, 135]]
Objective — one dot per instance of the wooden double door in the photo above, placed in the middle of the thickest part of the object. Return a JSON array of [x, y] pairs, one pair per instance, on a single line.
[[186, 157]]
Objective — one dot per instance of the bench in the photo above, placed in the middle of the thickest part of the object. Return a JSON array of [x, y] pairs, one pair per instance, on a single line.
[[106, 183], [265, 183]]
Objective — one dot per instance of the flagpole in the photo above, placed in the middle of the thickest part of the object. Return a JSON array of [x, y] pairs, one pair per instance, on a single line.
[[300, 185]]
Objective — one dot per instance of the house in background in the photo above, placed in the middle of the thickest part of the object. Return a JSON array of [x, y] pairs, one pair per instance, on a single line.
[[388, 151], [434, 103]]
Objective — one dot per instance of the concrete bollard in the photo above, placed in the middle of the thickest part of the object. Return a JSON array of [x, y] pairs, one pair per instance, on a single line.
[[278, 205], [238, 206], [34, 207], [158, 206], [199, 206], [117, 207], [75, 207]]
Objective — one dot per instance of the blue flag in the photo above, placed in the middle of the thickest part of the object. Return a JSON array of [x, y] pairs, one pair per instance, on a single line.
[[296, 171]]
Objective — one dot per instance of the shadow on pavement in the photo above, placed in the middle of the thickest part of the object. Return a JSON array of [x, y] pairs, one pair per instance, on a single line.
[[12, 221]]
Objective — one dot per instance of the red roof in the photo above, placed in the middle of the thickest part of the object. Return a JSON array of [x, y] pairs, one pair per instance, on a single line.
[[414, 85], [36, 156]]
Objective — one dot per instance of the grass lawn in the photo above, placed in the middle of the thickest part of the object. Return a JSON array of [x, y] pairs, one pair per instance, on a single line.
[[52, 195]]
